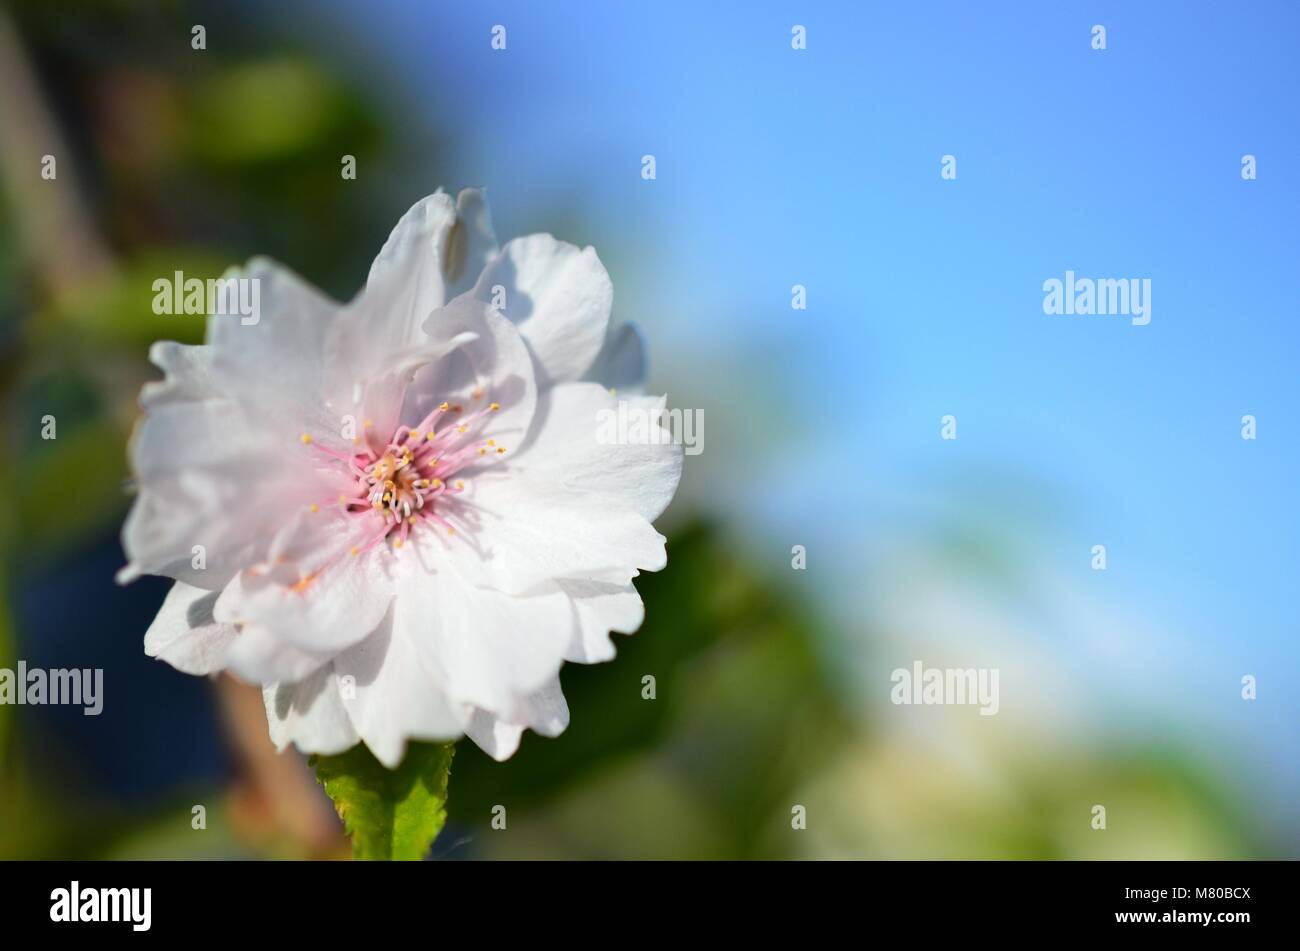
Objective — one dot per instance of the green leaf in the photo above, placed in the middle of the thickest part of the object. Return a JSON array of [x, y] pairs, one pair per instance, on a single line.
[[389, 813]]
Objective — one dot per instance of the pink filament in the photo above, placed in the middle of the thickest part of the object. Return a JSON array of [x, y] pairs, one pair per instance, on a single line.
[[398, 485]]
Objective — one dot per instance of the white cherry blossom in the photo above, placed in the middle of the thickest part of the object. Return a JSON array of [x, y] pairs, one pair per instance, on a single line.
[[407, 522]]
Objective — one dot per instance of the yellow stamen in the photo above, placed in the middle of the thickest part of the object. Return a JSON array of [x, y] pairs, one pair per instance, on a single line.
[[306, 438], [302, 584]]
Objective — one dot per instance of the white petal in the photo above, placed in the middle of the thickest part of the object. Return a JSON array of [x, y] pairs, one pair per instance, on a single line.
[[494, 736], [322, 613], [485, 648], [289, 322], [381, 340], [586, 438], [406, 282], [545, 712], [471, 243], [214, 486], [310, 714], [621, 364], [369, 378], [560, 297], [435, 252], [600, 608], [187, 374], [493, 367], [215, 454], [525, 533], [394, 694], [275, 367], [258, 656], [184, 633]]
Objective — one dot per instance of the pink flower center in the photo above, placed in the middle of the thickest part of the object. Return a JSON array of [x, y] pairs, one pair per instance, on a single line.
[[410, 481]]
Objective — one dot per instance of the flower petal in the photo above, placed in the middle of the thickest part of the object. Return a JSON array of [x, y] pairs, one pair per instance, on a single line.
[[406, 282], [560, 297], [275, 366], [600, 607], [492, 367], [184, 633], [323, 612], [209, 453], [545, 712], [484, 648], [586, 438], [256, 655], [310, 714], [435, 252], [493, 735], [214, 486], [527, 532], [381, 340], [393, 695], [187, 374], [470, 245]]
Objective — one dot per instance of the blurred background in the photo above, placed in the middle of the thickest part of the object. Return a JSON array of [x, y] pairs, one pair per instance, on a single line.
[[774, 167]]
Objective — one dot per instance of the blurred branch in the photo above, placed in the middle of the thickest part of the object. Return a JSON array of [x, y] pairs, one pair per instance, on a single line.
[[274, 792], [57, 236]]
